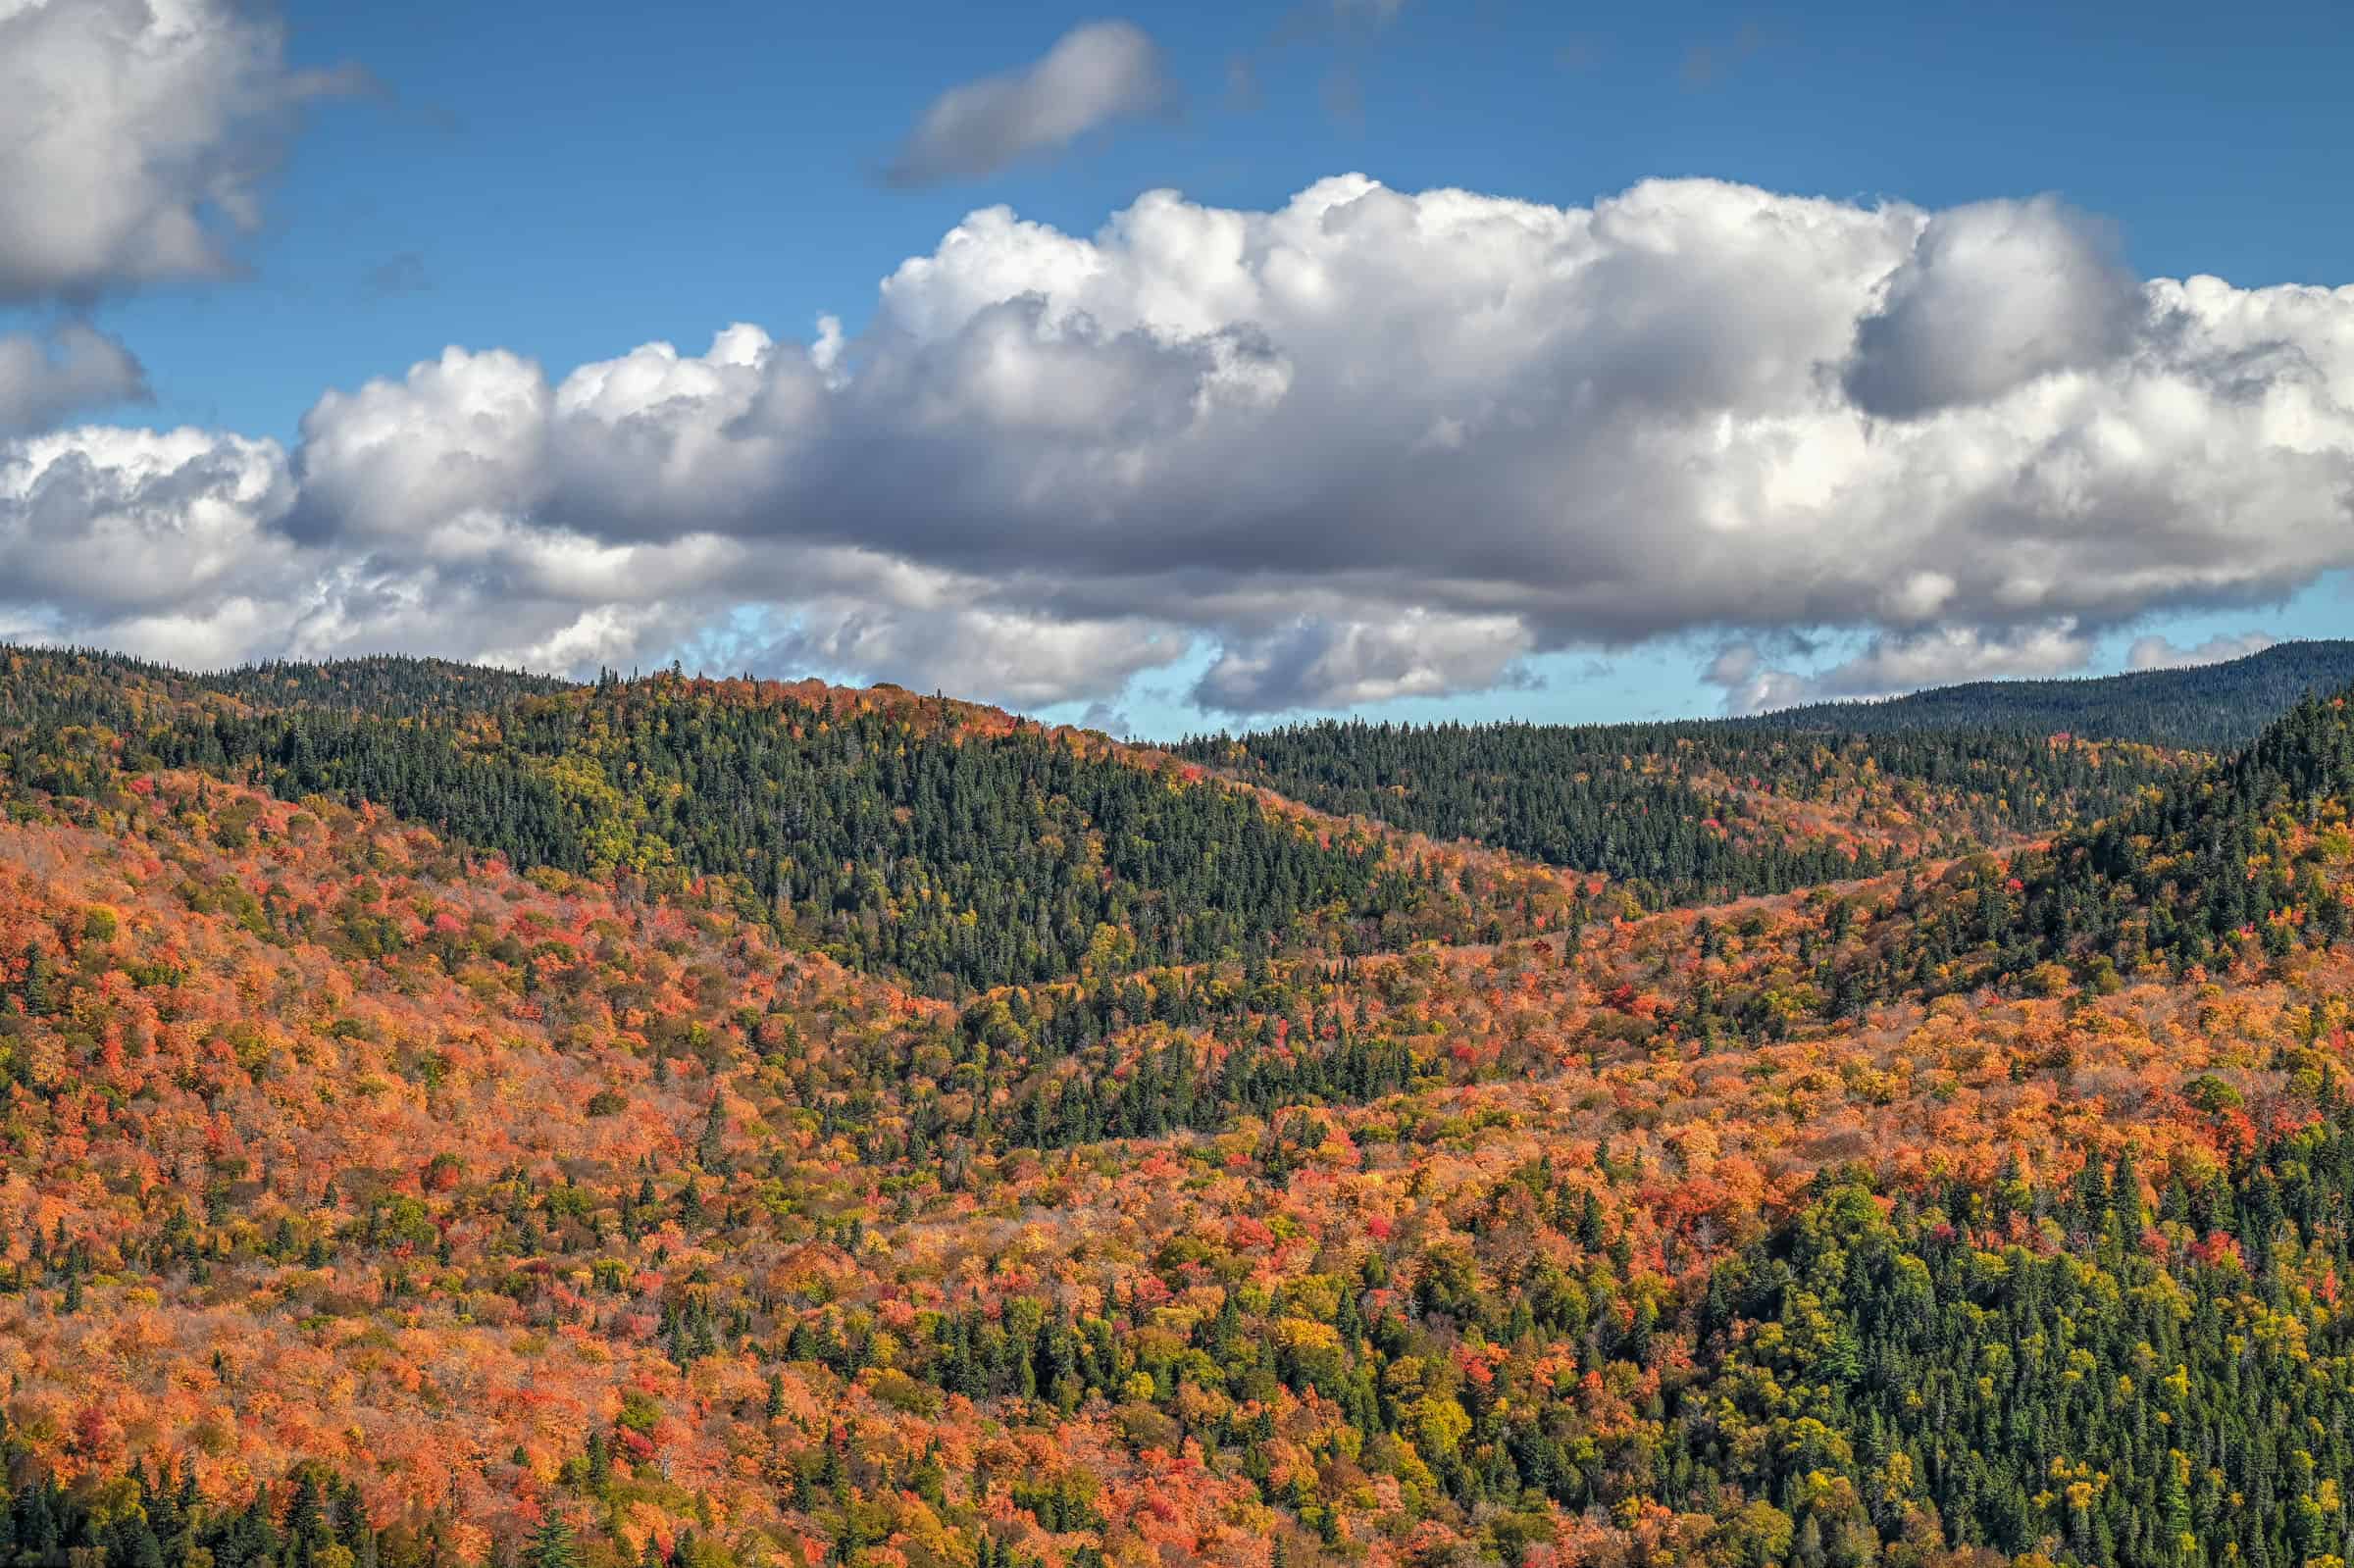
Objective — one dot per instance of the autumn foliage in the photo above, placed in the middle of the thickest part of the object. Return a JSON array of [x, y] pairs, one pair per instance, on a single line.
[[367, 1188]]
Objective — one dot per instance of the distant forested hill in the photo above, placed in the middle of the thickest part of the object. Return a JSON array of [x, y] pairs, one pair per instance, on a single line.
[[944, 844], [92, 685], [2211, 707], [1701, 809], [1693, 812]]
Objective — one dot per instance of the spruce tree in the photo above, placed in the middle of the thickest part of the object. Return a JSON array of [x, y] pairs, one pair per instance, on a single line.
[[551, 1545]]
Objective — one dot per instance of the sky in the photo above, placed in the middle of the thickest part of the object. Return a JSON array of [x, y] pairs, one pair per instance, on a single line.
[[1174, 367]]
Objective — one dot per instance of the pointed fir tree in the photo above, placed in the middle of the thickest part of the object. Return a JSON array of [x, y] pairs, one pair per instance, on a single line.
[[551, 1545]]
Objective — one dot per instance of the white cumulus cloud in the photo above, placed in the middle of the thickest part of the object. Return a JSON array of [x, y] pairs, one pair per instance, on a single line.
[[1367, 444], [1992, 296], [135, 138]]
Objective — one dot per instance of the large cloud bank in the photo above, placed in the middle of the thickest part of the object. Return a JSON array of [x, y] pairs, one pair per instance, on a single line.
[[1368, 445]]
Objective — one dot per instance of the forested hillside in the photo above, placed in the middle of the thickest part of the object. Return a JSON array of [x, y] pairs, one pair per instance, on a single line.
[[682, 1123], [1692, 813], [952, 846], [2210, 707]]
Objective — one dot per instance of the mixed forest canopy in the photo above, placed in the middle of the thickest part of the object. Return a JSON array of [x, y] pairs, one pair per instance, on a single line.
[[456, 1120], [1695, 813]]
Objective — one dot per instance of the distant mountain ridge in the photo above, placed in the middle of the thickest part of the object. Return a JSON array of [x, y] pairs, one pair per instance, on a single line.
[[2210, 707]]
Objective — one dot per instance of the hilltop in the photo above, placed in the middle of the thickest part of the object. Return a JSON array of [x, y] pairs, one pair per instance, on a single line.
[[2210, 707]]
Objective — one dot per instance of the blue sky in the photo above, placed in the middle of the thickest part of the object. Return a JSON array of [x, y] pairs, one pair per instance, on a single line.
[[568, 183], [566, 179]]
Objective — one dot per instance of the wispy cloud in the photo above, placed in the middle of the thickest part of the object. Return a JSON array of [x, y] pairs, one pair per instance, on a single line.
[[1096, 75], [72, 369], [1707, 63], [2157, 653], [395, 276]]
